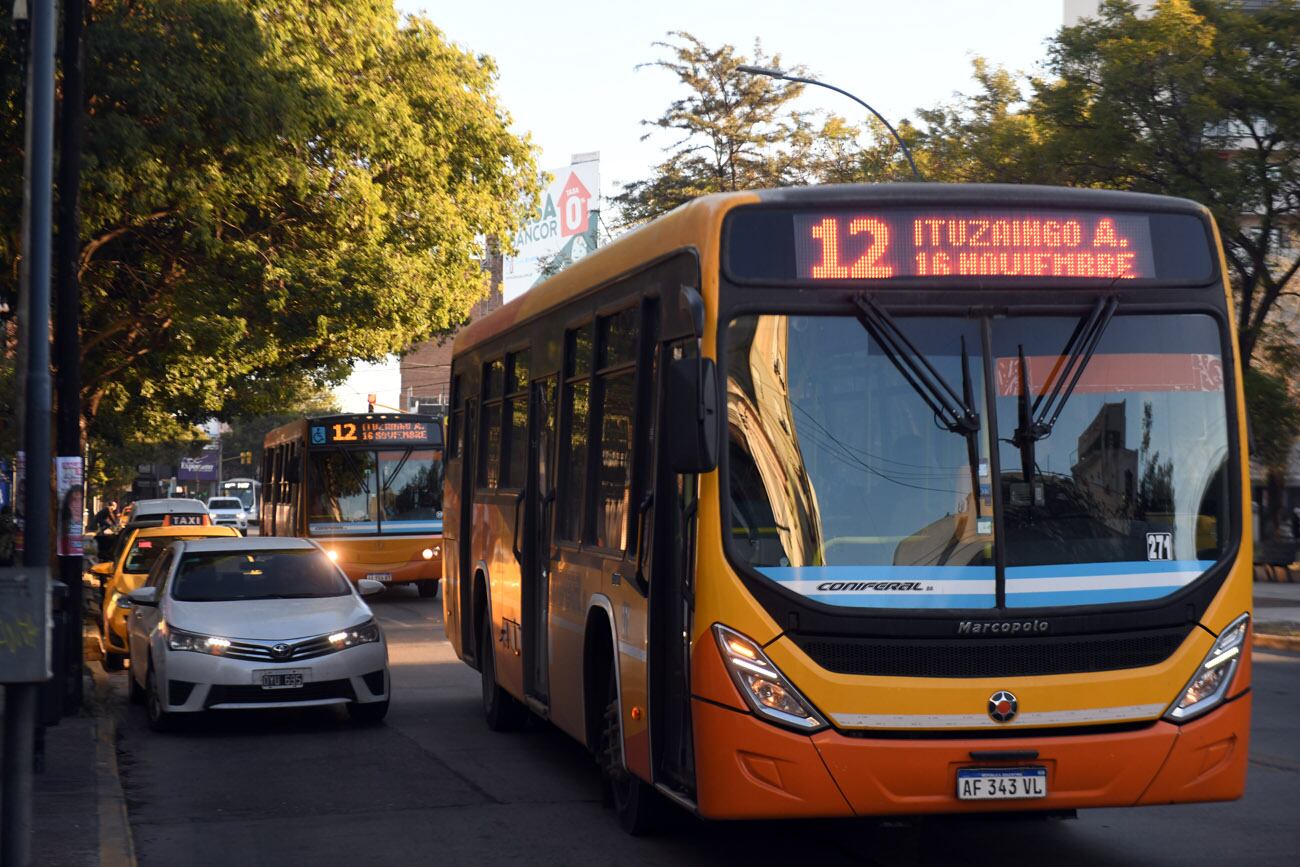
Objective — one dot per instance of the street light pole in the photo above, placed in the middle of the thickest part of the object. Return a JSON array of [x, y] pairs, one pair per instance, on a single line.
[[21, 698], [771, 72]]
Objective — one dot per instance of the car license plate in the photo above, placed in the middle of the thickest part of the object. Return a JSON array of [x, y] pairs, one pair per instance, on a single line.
[[282, 678], [995, 784], [385, 577]]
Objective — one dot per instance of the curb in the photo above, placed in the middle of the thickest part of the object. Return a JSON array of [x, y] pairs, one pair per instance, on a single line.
[[116, 847], [1277, 642]]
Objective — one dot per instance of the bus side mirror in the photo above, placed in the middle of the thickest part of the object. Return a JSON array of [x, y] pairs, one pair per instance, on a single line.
[[692, 415]]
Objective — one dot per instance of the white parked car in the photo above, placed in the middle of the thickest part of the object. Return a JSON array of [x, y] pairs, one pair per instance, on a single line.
[[223, 624], [229, 512]]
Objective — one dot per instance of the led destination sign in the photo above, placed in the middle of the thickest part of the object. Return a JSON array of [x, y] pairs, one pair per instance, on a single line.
[[967, 242], [363, 431]]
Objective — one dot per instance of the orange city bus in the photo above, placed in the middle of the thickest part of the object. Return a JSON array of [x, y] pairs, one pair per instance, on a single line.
[[368, 487], [865, 500]]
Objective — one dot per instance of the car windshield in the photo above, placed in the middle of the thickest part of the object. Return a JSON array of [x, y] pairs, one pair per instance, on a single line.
[[845, 488], [228, 576], [144, 552], [225, 503]]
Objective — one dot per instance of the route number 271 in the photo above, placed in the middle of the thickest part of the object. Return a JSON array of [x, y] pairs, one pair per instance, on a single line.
[[867, 266]]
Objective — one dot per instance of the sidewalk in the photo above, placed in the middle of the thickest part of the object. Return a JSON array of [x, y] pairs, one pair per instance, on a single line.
[[79, 811], [1277, 615]]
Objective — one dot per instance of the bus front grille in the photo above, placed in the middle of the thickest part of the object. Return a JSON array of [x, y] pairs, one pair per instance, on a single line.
[[978, 657]]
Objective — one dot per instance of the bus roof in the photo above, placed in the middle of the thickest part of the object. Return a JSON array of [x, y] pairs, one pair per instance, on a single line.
[[698, 223]]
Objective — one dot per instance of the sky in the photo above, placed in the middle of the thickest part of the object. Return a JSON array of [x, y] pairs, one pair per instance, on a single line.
[[569, 77]]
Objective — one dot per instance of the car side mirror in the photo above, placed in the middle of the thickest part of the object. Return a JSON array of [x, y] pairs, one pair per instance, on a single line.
[[369, 586], [692, 404], [144, 596], [105, 568]]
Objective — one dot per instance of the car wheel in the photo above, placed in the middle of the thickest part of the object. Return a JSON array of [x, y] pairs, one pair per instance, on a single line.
[[114, 661], [640, 809], [135, 692], [502, 712], [369, 714], [159, 719], [427, 589]]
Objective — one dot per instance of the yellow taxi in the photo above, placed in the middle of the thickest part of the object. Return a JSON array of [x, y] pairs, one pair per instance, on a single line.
[[128, 570]]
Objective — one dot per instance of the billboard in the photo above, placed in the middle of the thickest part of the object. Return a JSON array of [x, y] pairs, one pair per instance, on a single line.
[[203, 468], [565, 228]]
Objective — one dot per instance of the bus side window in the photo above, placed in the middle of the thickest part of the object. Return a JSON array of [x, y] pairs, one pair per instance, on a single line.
[[457, 419], [615, 379], [571, 518], [514, 430], [489, 458]]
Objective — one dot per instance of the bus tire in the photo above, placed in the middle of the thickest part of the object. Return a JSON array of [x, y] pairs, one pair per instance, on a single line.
[[640, 809], [427, 589], [502, 712], [114, 661]]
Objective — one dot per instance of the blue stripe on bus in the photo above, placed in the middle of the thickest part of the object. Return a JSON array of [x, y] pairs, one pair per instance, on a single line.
[[785, 574], [900, 600], [1152, 567], [1086, 597]]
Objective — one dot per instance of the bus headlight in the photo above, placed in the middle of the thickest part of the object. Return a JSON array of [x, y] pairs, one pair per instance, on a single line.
[[765, 689], [427, 553], [1208, 687]]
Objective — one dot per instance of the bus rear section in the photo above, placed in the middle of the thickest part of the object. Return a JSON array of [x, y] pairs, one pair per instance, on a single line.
[[368, 488], [978, 549]]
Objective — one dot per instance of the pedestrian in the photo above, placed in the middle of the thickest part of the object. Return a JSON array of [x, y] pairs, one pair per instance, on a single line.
[[105, 529]]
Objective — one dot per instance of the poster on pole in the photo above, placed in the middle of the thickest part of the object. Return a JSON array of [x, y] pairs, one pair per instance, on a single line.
[[68, 477], [564, 230]]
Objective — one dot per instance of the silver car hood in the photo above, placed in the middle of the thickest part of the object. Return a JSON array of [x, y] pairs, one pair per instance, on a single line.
[[268, 619]]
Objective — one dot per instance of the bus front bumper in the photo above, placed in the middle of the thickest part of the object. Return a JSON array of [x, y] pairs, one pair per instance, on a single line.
[[749, 769]]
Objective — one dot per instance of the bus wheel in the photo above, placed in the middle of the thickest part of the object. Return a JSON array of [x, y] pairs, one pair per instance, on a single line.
[[427, 589], [114, 661], [502, 712], [638, 806]]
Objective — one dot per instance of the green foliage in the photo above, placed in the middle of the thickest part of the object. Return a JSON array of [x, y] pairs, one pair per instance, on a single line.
[[272, 190], [731, 130], [249, 429]]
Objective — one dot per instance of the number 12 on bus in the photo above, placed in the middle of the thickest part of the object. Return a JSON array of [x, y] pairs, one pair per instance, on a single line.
[[862, 501]]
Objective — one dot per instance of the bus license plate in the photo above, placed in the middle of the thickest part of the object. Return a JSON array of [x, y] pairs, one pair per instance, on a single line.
[[385, 577], [288, 678], [994, 784]]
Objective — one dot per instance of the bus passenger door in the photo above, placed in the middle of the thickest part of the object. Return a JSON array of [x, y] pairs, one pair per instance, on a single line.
[[667, 553], [539, 496], [465, 529]]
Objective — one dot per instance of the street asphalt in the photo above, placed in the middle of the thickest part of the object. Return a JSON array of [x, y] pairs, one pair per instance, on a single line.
[[434, 786]]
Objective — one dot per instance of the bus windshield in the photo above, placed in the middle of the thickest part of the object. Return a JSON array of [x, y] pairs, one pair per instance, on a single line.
[[845, 488], [394, 491]]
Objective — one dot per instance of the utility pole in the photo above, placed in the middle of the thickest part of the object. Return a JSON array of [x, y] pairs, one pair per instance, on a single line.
[[21, 698], [67, 340]]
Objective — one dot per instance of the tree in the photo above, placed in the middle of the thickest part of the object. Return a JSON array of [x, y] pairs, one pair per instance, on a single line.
[[733, 131], [272, 190], [1196, 99]]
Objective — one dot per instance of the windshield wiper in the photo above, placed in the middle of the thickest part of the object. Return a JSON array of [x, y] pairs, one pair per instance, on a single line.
[[953, 412], [1037, 422]]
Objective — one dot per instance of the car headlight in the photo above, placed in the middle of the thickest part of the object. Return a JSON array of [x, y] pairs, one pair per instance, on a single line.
[[241, 516], [196, 642], [1209, 686], [766, 690], [362, 633]]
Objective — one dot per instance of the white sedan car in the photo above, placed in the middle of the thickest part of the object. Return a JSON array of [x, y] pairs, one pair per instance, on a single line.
[[235, 623]]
